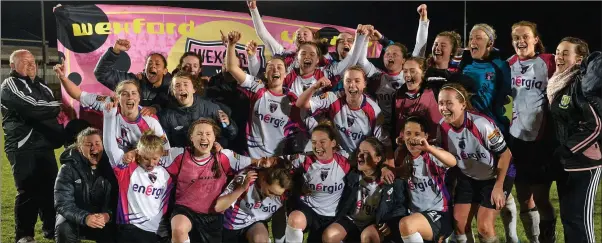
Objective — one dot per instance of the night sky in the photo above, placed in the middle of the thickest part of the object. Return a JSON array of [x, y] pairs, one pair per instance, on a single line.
[[396, 20]]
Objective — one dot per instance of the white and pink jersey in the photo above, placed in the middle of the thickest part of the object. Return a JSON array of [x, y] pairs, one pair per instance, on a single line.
[[250, 207], [143, 195], [475, 145], [368, 198], [275, 122], [427, 185], [529, 83], [352, 124], [324, 179], [127, 133]]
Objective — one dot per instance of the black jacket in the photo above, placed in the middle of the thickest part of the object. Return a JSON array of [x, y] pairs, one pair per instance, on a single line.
[[176, 120], [591, 71], [577, 126], [393, 202], [79, 191], [29, 115], [108, 76]]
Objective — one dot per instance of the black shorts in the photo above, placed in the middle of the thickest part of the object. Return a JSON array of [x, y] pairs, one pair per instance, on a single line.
[[128, 233], [354, 231], [440, 222], [470, 191], [239, 235], [205, 227], [534, 161], [316, 224]]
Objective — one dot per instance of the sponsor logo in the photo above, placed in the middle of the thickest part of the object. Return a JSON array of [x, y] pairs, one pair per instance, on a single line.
[[263, 208], [148, 190], [434, 216], [564, 102], [384, 97], [527, 83], [101, 98], [267, 118], [323, 96], [178, 128], [349, 133], [417, 184], [495, 137], [214, 52], [136, 27], [324, 188], [489, 76], [78, 181]]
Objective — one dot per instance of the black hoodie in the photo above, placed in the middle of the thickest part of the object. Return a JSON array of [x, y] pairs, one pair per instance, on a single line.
[[109, 76]]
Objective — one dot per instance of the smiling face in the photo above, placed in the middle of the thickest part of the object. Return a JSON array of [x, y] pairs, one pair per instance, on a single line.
[[413, 130], [155, 68], [129, 98], [183, 91], [451, 108], [412, 73], [275, 72], [92, 149], [442, 48], [355, 83], [393, 59], [367, 158], [323, 146], [192, 65], [203, 137], [480, 45], [524, 41], [25, 64], [148, 160], [344, 43], [303, 34], [566, 56], [308, 58]]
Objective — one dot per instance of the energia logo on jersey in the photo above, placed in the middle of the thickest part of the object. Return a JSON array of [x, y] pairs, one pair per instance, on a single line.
[[264, 208], [324, 188], [348, 133], [463, 155], [148, 190], [268, 118], [421, 185], [528, 83], [367, 208]]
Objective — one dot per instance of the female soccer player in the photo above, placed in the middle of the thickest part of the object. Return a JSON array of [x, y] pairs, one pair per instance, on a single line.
[[251, 199], [276, 123], [578, 129], [354, 114], [443, 62], [426, 167], [323, 173], [371, 210], [483, 159], [531, 136]]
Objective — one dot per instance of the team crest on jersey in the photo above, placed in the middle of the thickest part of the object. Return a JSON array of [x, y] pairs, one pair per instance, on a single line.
[[323, 175], [273, 107], [565, 101], [350, 121], [323, 96], [462, 144], [152, 177], [523, 69], [489, 76]]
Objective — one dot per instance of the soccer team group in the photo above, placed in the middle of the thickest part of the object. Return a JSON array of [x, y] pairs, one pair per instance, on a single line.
[[411, 151]]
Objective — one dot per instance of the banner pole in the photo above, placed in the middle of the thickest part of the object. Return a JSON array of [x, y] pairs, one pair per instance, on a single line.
[[43, 42], [465, 24]]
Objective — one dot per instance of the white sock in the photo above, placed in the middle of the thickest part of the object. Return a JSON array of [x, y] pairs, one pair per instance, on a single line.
[[461, 238], [293, 235], [531, 224], [488, 240], [413, 238], [187, 240], [509, 217]]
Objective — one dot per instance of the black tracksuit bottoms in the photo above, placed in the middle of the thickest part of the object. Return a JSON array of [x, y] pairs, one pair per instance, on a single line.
[[577, 205]]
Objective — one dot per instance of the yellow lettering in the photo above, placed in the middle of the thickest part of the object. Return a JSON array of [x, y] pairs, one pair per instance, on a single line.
[[170, 28], [186, 28], [117, 28], [285, 37], [334, 40], [84, 29], [137, 24], [102, 28], [150, 28]]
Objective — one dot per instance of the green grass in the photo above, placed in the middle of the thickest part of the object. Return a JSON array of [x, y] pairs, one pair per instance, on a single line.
[[9, 192]]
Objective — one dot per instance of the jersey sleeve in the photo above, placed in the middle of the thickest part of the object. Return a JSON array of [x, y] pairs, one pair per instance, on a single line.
[[170, 156], [234, 162], [437, 161], [264, 34], [492, 137], [421, 38], [159, 132], [368, 67], [250, 85], [234, 183], [93, 101], [254, 65], [322, 102], [359, 48], [113, 151]]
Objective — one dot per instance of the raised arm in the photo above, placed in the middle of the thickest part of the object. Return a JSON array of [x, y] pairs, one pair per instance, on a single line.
[[73, 90], [422, 34], [363, 62], [235, 189], [231, 59], [104, 71], [262, 31], [359, 49], [305, 97], [254, 64], [109, 125]]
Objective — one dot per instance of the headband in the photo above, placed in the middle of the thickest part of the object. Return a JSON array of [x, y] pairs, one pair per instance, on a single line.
[[487, 32], [450, 87]]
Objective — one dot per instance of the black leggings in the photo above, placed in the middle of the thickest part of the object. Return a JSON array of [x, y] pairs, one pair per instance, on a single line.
[[577, 205]]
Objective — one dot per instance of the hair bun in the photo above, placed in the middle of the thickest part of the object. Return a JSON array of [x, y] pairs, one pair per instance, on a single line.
[[325, 122]]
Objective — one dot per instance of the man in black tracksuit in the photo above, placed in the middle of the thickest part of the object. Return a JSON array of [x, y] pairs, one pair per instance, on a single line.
[[154, 82], [81, 192], [578, 130], [31, 133]]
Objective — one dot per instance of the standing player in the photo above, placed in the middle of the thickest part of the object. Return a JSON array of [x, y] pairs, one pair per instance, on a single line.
[[276, 121], [251, 199], [483, 158], [531, 132]]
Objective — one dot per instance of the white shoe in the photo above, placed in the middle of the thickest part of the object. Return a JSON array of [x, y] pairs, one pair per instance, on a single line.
[[26, 239]]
